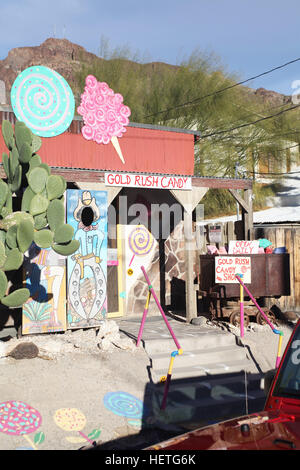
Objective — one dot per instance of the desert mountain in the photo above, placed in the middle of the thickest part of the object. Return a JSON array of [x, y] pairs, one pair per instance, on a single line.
[[67, 58], [59, 54]]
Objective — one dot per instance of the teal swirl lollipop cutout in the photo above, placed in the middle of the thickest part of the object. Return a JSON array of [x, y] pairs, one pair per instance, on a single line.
[[43, 100]]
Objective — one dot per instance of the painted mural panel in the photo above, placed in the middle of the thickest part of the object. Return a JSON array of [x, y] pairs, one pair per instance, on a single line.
[[87, 268], [140, 247], [45, 276]]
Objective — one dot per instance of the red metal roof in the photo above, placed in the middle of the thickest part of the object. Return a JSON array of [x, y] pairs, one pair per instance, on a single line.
[[150, 150]]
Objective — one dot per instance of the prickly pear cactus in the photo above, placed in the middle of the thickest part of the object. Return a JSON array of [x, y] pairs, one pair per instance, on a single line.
[[39, 198]]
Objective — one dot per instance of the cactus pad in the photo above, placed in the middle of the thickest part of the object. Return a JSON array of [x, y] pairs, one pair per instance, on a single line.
[[64, 233], [55, 187], [16, 298], [6, 164], [14, 260], [14, 219], [67, 249], [40, 221], [3, 284], [56, 214], [8, 134], [25, 153], [36, 143], [37, 179], [22, 134], [25, 235], [43, 238], [3, 193], [38, 204], [11, 236], [2, 253]]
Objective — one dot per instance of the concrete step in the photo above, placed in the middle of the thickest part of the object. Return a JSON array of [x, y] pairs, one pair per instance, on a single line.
[[201, 369], [197, 357], [156, 337], [204, 400], [188, 341]]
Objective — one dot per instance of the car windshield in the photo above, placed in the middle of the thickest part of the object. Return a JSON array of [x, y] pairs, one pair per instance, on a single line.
[[288, 382]]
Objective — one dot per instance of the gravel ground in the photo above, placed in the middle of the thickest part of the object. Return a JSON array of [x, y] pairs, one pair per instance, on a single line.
[[77, 369]]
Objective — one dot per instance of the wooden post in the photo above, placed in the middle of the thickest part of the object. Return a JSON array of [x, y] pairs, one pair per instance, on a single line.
[[247, 211], [190, 293], [248, 216]]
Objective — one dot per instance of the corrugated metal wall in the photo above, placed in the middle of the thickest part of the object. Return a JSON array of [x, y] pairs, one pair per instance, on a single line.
[[144, 150]]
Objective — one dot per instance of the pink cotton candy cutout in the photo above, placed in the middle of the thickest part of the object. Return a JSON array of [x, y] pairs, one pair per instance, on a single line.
[[104, 115]]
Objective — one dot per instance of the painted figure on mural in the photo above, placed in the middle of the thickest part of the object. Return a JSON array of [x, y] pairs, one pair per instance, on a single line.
[[87, 261]]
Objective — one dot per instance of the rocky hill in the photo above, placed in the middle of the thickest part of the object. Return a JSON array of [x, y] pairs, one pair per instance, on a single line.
[[59, 54], [66, 58]]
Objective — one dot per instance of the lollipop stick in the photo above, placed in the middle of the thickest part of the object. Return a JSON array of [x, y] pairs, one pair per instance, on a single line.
[[30, 442], [143, 319], [115, 142], [131, 259], [85, 437]]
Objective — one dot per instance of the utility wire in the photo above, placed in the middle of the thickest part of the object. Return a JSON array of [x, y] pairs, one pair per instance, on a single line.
[[250, 123], [273, 173], [196, 100]]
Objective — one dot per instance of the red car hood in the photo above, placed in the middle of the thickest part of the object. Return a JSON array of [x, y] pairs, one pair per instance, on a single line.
[[267, 430]]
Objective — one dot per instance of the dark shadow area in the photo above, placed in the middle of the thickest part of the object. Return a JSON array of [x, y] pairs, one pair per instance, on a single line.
[[5, 325], [282, 317], [192, 403], [38, 292], [177, 295]]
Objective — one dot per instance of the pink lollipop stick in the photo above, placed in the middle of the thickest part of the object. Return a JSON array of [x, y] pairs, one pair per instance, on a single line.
[[86, 437], [160, 308], [143, 319], [255, 303]]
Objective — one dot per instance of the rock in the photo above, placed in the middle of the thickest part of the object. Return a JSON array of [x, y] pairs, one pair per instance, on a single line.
[[105, 345], [199, 321], [109, 327], [24, 351], [125, 343]]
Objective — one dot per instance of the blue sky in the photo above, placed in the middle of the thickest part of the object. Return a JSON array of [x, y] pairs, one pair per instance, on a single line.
[[248, 36]]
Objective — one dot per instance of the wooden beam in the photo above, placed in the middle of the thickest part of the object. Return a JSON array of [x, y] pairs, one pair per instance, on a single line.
[[249, 215], [189, 199], [239, 199], [221, 183]]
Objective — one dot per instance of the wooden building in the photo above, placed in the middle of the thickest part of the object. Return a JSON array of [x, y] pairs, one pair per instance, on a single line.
[[158, 173]]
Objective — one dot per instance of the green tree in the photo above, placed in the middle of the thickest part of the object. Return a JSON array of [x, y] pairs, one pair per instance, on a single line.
[[187, 95]]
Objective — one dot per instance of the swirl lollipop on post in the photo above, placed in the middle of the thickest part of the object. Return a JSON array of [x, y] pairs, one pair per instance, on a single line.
[[19, 419], [43, 100], [140, 242], [104, 114]]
